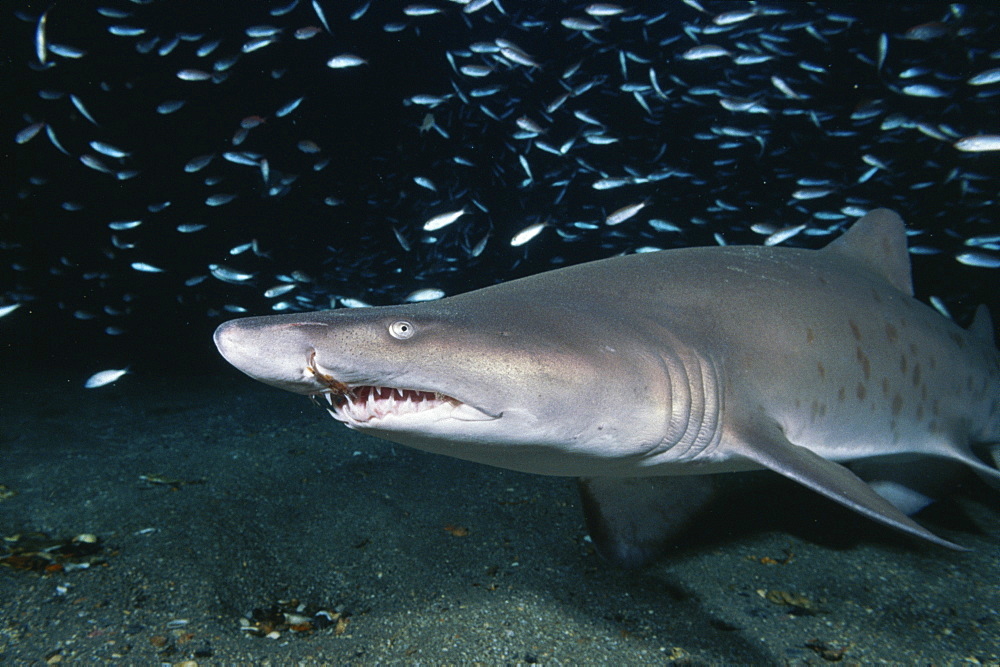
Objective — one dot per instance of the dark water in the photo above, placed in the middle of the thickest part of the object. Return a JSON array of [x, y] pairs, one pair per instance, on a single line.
[[275, 500], [340, 216]]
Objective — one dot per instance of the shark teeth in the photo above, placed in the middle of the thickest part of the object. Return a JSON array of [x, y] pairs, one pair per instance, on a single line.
[[366, 403]]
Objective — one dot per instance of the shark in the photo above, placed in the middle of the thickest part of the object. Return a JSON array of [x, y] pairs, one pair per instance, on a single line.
[[647, 375]]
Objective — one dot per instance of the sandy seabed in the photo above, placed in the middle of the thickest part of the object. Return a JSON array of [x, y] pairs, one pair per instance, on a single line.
[[222, 507]]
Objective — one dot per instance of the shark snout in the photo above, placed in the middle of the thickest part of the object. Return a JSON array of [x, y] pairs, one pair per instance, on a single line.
[[278, 355], [231, 340]]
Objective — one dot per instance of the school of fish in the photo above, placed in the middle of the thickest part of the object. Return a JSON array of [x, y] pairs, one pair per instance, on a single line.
[[308, 154]]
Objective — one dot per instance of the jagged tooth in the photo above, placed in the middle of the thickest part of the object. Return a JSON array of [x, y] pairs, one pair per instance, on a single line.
[[399, 393], [329, 397], [382, 406], [370, 403]]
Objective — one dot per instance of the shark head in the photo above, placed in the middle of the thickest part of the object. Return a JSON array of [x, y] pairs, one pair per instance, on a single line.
[[537, 391]]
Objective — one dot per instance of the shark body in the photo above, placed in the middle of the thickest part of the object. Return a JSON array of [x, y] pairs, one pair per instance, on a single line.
[[641, 374]]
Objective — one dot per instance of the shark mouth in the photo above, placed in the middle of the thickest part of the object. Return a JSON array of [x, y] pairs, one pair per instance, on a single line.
[[370, 405]]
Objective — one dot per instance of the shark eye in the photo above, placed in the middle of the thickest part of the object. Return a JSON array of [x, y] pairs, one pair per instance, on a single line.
[[401, 330]]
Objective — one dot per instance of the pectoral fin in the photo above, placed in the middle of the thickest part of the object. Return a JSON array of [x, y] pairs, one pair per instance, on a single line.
[[768, 447]]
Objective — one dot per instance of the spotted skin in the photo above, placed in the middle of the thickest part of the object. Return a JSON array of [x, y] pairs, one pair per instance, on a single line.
[[632, 371]]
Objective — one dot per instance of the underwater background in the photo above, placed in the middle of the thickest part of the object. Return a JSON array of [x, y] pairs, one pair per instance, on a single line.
[[170, 165]]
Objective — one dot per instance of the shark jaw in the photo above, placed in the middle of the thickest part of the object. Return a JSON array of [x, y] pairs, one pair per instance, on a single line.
[[382, 408], [395, 409]]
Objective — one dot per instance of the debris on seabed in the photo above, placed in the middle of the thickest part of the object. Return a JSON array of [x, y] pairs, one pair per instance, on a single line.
[[38, 552], [291, 615]]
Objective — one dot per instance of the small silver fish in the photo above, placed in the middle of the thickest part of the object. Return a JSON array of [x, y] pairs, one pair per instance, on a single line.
[[108, 149], [120, 225], [146, 268], [624, 213], [425, 294], [345, 60], [979, 259], [228, 275], [278, 290], [288, 108], [82, 109], [170, 106], [580, 24], [986, 78], [517, 56], [475, 71], [193, 75], [783, 235], [979, 143], [425, 182], [785, 89], [735, 16], [421, 10], [207, 48], [28, 133], [126, 30], [320, 15], [528, 233], [360, 11], [40, 39], [923, 90], [219, 200], [604, 9], [443, 220], [810, 193], [66, 51], [475, 6], [610, 183], [198, 163], [103, 378], [704, 51], [529, 125]]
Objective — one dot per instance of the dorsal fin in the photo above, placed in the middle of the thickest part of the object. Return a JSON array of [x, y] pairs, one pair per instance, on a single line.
[[878, 240], [982, 325]]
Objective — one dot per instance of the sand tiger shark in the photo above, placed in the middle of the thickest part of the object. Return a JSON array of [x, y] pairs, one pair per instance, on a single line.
[[641, 374]]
